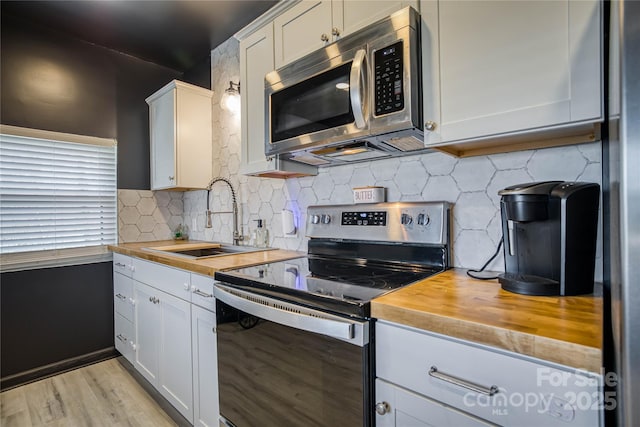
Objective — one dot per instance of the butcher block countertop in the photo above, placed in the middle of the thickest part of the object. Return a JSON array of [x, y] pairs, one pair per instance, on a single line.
[[565, 330], [206, 266]]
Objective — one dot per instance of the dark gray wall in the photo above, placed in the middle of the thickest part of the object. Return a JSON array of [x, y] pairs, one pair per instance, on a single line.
[[56, 83], [53, 314], [52, 82]]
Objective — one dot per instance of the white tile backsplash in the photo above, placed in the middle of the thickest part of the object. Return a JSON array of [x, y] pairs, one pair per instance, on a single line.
[[148, 215], [471, 184]]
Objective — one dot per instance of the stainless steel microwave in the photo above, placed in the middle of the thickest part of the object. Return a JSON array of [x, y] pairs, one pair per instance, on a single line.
[[355, 99]]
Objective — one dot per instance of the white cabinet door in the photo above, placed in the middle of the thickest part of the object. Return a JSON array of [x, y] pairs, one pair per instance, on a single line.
[[163, 345], [430, 69], [147, 331], [356, 14], [407, 409], [163, 133], [518, 65], [312, 24], [180, 128], [175, 378], [205, 367], [256, 60], [302, 29]]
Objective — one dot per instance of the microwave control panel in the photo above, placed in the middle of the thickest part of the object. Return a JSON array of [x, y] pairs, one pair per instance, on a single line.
[[388, 70]]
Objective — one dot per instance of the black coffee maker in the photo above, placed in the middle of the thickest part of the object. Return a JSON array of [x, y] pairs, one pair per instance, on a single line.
[[549, 233]]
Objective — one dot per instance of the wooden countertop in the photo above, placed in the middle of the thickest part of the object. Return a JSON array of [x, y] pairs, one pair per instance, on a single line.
[[565, 330], [207, 266]]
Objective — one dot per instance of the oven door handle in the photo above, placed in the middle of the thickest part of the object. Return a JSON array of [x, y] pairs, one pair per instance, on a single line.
[[293, 315]]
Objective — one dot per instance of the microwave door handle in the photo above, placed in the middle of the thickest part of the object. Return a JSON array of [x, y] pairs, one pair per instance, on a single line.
[[356, 89]]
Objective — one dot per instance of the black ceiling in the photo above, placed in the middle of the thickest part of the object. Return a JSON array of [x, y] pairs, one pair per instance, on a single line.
[[174, 33]]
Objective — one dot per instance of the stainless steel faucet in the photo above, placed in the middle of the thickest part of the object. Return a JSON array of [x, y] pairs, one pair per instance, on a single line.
[[237, 237]]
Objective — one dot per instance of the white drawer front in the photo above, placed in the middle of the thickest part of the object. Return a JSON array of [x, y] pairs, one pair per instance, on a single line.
[[530, 394], [167, 279], [124, 337], [123, 295], [122, 264], [202, 291]]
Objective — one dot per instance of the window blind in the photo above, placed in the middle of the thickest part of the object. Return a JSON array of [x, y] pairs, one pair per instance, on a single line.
[[56, 194]]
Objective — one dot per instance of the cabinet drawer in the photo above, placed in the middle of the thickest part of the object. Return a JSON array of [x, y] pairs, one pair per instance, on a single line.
[[202, 291], [124, 335], [123, 295], [122, 264], [528, 393], [170, 280]]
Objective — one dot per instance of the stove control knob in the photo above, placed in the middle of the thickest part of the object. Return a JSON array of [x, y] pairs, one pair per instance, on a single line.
[[326, 219], [406, 219], [423, 219], [315, 219]]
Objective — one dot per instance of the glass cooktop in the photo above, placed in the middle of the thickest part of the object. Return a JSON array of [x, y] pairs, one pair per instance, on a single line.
[[325, 283]]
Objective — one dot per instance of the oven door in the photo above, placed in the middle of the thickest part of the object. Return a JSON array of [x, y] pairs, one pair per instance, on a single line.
[[325, 103], [280, 364]]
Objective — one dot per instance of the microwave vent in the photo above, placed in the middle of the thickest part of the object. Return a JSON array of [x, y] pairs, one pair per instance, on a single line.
[[310, 159], [405, 143]]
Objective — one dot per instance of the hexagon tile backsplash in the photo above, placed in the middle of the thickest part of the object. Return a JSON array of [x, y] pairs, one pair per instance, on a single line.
[[470, 184], [148, 215]]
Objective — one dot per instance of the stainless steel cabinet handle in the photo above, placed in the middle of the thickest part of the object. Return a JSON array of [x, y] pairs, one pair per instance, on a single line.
[[487, 391], [324, 38], [171, 178], [154, 300], [122, 297], [119, 264], [213, 329], [383, 408], [121, 337], [202, 294], [335, 31]]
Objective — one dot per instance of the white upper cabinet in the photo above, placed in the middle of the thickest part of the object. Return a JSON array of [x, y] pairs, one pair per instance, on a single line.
[[312, 24], [302, 29], [181, 144], [508, 67], [256, 60], [356, 14]]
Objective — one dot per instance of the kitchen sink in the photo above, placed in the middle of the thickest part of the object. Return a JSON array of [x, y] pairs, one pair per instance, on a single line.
[[204, 250]]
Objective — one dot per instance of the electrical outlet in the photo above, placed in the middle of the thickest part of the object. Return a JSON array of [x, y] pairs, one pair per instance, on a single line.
[[194, 224]]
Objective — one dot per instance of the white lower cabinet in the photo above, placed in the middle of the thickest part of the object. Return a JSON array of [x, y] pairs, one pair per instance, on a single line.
[[462, 383], [123, 306], [164, 322], [125, 336], [163, 352], [205, 367], [403, 408]]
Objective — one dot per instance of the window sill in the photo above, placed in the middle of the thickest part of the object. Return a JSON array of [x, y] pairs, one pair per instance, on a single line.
[[56, 258]]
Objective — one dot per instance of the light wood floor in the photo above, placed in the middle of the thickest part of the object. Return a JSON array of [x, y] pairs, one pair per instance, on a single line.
[[102, 394]]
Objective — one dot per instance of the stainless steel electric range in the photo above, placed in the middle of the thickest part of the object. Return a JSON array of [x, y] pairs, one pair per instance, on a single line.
[[294, 337]]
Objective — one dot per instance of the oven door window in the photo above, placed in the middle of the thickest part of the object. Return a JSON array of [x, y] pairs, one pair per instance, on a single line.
[[318, 103], [275, 375]]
